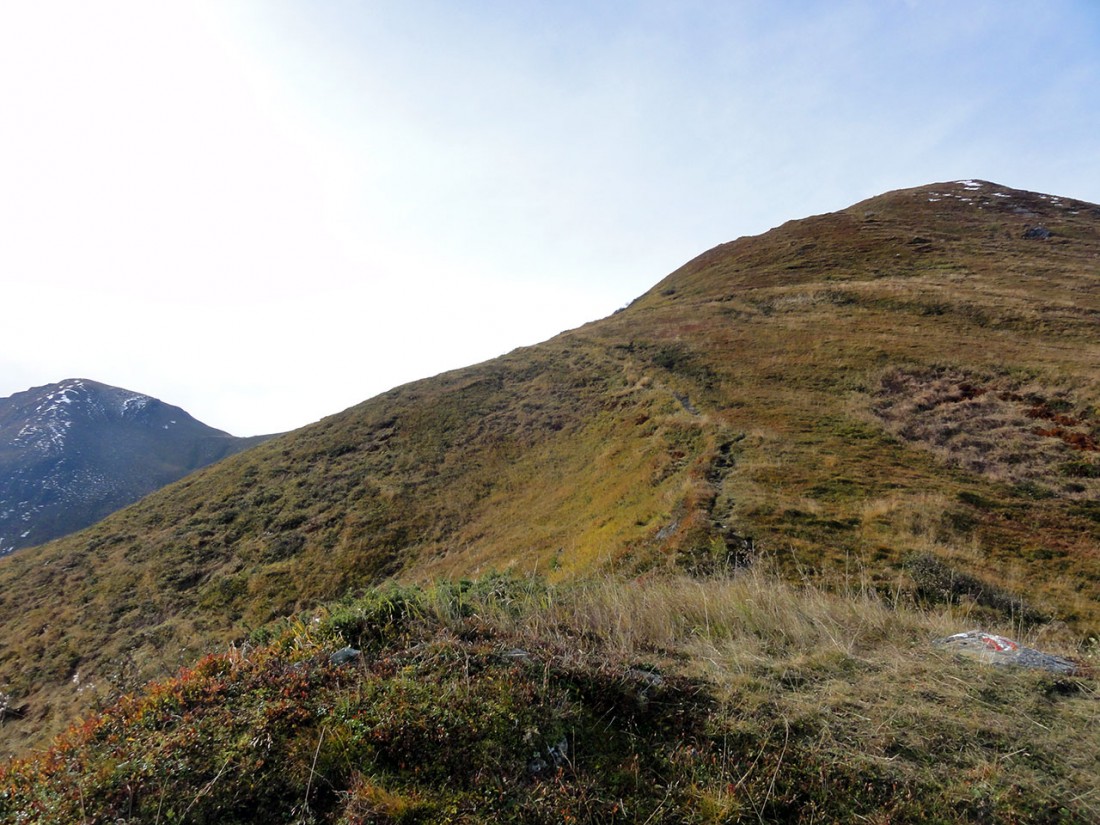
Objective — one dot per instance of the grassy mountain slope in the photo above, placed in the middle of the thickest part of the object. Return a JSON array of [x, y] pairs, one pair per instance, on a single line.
[[904, 391]]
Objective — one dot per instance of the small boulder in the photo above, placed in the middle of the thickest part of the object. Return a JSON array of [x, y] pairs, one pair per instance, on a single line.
[[344, 656], [647, 678], [999, 650], [556, 757]]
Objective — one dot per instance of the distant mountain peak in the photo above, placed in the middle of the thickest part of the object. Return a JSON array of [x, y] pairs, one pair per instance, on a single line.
[[73, 451], [52, 410]]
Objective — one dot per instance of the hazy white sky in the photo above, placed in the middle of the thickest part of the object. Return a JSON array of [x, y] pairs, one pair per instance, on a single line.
[[265, 211]]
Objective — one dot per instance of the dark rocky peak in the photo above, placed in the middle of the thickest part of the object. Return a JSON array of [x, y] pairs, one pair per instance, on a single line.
[[74, 451]]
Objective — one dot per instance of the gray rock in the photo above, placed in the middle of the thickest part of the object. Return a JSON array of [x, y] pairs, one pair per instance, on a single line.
[[999, 650], [516, 654], [559, 753], [1027, 657], [556, 757], [343, 656], [1039, 233], [647, 678]]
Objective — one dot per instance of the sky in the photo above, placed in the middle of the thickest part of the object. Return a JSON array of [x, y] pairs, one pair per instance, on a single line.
[[266, 211]]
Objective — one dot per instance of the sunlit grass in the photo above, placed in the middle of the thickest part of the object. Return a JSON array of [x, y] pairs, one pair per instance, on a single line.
[[739, 698], [735, 411]]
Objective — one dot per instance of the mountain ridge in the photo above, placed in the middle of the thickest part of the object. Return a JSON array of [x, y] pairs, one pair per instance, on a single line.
[[771, 397], [74, 451]]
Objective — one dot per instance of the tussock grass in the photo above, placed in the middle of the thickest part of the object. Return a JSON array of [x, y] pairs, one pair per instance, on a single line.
[[735, 699], [729, 412], [1008, 430], [747, 615]]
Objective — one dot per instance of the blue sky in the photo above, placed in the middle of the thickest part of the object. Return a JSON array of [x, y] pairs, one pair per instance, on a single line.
[[265, 211]]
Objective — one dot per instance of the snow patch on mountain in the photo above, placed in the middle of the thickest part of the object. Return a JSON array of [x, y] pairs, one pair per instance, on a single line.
[[73, 451], [52, 418]]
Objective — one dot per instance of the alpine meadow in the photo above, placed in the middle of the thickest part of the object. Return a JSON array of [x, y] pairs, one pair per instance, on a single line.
[[686, 564]]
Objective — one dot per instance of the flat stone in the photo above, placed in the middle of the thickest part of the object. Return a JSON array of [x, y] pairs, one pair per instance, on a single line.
[[648, 678], [1000, 650]]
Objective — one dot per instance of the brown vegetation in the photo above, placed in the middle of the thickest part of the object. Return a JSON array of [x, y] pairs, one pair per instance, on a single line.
[[668, 699], [845, 393]]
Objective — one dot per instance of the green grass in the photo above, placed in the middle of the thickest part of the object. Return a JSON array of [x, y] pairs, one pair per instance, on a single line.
[[740, 699], [766, 398]]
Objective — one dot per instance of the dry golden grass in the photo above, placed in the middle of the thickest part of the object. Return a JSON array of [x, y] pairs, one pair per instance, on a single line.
[[731, 624], [844, 676], [741, 698], [856, 673], [1006, 429], [726, 413]]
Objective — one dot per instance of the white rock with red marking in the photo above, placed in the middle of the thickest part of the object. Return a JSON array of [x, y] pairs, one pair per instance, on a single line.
[[1000, 650]]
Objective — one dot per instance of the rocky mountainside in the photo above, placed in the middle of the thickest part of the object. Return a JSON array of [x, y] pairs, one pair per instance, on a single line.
[[75, 451], [903, 395]]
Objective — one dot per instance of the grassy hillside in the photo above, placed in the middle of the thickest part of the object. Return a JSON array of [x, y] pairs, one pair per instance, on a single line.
[[645, 700], [904, 392]]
